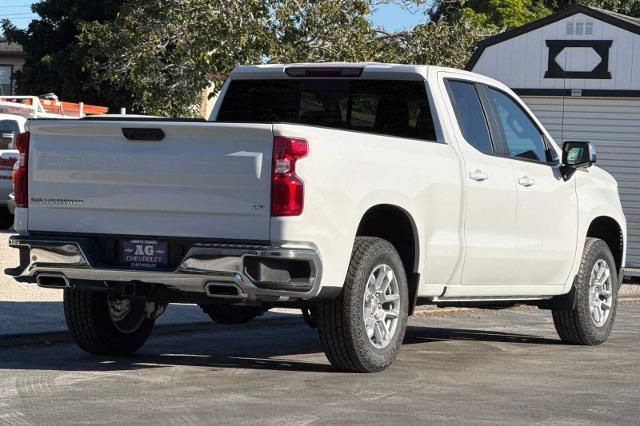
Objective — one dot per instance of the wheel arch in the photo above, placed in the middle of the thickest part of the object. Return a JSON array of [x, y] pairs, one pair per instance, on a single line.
[[609, 230], [396, 225]]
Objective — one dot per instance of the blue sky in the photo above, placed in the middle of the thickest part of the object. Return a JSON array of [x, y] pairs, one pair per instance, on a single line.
[[17, 11], [395, 18], [389, 16]]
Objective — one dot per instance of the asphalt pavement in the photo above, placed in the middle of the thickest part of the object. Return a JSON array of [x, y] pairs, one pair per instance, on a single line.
[[478, 367], [466, 366]]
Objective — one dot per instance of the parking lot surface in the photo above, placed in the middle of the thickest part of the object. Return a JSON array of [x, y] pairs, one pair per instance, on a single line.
[[471, 367]]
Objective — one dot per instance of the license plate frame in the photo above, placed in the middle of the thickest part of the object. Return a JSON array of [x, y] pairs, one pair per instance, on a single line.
[[140, 253]]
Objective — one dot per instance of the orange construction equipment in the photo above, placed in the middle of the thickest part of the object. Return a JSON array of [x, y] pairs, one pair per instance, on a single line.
[[72, 108], [48, 106]]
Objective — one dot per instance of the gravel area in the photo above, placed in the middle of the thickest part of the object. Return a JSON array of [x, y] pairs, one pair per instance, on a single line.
[[12, 291]]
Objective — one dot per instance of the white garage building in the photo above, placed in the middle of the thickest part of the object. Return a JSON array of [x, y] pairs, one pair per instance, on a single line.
[[579, 71]]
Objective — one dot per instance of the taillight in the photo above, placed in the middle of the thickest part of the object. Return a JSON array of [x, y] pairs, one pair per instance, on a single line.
[[287, 189], [7, 163], [20, 187]]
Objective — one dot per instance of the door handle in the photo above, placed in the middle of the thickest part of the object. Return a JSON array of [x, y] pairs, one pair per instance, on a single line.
[[526, 181], [478, 175]]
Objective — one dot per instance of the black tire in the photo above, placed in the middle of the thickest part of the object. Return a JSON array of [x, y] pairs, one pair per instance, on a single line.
[[577, 326], [93, 330], [232, 314], [341, 323]]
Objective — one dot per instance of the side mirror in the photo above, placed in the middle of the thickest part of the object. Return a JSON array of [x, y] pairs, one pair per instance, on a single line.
[[576, 155]]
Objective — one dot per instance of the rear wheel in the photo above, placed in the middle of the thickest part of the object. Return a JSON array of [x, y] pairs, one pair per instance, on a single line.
[[363, 328], [232, 314], [105, 324], [596, 298]]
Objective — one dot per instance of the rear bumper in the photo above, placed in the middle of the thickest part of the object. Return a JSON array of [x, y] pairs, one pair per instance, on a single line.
[[216, 270]]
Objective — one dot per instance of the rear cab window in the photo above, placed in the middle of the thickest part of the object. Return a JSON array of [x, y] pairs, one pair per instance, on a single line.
[[386, 107]]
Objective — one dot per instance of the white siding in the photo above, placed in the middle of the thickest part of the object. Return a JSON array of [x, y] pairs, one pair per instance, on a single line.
[[521, 62], [613, 125]]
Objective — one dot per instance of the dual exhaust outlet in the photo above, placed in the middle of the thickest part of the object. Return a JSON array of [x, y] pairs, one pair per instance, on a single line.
[[47, 280], [224, 290]]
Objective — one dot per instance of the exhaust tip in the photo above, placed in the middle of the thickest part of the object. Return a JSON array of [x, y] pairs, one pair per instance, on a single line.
[[52, 281], [223, 290]]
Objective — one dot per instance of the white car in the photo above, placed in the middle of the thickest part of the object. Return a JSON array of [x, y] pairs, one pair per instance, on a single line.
[[352, 191]]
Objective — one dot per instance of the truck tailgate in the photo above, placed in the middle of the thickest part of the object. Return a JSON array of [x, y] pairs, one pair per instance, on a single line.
[[202, 180]]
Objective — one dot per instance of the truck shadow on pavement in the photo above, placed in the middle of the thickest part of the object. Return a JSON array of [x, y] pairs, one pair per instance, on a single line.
[[432, 334], [286, 346]]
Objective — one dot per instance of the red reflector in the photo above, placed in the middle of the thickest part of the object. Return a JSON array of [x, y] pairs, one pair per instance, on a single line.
[[287, 189], [323, 71], [20, 176]]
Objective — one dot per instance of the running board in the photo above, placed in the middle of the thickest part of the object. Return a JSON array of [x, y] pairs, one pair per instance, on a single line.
[[488, 299]]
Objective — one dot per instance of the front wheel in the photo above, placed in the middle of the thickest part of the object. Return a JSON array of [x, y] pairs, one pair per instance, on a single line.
[[104, 324], [596, 298], [362, 329]]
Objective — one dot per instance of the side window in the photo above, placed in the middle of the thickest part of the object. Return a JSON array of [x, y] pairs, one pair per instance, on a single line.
[[522, 137], [470, 115]]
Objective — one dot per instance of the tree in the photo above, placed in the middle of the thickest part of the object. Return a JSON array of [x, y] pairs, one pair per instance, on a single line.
[[504, 14], [165, 52], [54, 59], [445, 42], [313, 31], [626, 7]]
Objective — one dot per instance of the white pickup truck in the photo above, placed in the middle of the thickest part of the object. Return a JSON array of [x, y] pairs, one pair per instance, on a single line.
[[352, 191]]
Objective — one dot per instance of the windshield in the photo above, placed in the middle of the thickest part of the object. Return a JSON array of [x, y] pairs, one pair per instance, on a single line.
[[398, 108], [9, 126], [7, 130]]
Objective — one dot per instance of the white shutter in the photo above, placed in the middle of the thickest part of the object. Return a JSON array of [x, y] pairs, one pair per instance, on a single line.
[[613, 125]]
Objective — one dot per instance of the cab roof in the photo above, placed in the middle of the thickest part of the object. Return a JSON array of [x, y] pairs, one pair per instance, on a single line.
[[368, 69]]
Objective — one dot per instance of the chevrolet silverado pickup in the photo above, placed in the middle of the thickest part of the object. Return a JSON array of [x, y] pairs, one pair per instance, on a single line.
[[354, 192]]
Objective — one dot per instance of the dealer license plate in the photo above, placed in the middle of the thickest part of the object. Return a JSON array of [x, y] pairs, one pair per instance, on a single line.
[[145, 254]]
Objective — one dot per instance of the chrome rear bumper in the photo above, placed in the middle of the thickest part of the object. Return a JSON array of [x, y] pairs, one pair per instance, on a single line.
[[205, 268]]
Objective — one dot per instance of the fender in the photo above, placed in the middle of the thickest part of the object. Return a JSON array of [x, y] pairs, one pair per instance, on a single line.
[[597, 197]]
